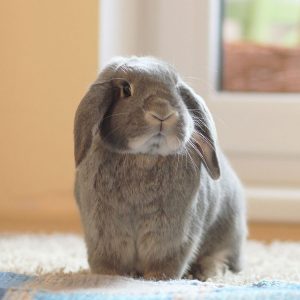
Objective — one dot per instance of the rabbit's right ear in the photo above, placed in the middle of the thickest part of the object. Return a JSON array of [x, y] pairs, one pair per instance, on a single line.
[[90, 112], [205, 136]]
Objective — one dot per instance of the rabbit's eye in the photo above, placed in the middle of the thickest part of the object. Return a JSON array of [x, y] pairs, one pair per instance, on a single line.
[[126, 90]]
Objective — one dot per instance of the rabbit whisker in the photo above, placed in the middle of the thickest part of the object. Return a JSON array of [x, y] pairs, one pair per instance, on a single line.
[[111, 132], [194, 166], [205, 139], [199, 122], [194, 148], [199, 119], [197, 150], [113, 115], [201, 155], [177, 154], [195, 109]]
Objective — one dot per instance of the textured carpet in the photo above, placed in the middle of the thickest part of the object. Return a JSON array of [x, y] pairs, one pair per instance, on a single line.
[[35, 265]]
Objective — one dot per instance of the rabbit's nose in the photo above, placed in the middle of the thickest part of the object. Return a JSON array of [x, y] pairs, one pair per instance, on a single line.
[[159, 111], [168, 118], [161, 117]]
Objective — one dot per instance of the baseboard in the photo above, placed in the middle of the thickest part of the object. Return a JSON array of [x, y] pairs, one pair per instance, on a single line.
[[268, 204]]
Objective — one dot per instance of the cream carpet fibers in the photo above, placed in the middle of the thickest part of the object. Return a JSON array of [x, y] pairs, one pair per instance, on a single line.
[[41, 254]]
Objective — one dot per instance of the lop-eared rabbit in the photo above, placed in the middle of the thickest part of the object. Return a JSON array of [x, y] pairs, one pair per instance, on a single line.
[[156, 195]]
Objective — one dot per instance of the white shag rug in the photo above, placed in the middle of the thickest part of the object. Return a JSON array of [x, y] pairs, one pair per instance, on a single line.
[[40, 254]]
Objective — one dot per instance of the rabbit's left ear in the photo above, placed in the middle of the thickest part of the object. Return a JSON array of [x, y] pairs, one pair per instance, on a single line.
[[205, 135], [90, 112]]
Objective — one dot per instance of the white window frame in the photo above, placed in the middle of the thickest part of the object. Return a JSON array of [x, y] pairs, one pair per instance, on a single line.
[[264, 158], [261, 153]]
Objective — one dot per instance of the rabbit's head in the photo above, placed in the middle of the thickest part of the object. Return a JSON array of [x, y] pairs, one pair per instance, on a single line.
[[141, 105]]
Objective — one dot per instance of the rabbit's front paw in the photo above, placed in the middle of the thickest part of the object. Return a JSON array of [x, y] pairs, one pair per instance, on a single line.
[[208, 267]]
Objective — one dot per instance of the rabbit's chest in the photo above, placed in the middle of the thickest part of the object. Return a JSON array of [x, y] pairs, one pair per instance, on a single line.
[[146, 195], [145, 184]]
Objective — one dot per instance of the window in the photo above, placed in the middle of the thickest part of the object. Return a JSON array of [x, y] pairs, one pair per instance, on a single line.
[[261, 46]]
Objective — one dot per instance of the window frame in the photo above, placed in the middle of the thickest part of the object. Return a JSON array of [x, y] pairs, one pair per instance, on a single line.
[[268, 155]]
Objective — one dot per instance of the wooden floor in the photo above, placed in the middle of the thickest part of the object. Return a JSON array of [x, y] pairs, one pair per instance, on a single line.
[[274, 231]]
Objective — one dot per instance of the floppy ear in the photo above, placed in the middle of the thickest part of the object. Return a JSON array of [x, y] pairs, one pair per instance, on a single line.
[[204, 136], [90, 112]]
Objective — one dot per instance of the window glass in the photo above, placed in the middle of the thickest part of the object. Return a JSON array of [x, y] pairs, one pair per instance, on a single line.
[[261, 46]]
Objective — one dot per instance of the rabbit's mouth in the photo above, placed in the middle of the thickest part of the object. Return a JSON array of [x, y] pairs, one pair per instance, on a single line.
[[156, 143], [162, 138]]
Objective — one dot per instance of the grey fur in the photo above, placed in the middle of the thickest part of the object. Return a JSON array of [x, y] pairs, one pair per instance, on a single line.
[[147, 205]]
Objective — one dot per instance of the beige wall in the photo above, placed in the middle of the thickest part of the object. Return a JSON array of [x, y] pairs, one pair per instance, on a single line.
[[48, 57]]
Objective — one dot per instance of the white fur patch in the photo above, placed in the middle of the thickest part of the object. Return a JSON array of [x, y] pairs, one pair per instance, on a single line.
[[139, 144], [154, 144]]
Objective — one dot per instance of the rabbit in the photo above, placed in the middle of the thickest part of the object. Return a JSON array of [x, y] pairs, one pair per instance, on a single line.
[[157, 197]]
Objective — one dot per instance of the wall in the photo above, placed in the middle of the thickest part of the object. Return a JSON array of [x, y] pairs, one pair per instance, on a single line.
[[48, 57]]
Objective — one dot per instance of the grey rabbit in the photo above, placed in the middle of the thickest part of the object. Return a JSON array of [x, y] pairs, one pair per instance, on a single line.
[[156, 195]]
